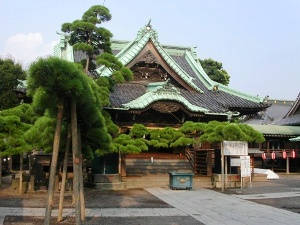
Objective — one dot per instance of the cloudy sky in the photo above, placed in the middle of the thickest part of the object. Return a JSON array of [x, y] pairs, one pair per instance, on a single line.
[[258, 41]]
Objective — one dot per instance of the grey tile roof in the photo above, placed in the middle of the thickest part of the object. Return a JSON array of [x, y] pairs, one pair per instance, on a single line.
[[219, 99], [291, 120], [216, 102], [293, 115], [271, 115], [124, 93], [281, 112]]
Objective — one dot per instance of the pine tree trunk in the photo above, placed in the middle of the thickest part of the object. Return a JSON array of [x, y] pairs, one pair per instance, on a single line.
[[56, 142], [10, 164], [81, 190], [0, 172], [120, 162], [30, 162], [21, 171], [87, 65], [76, 156], [64, 177]]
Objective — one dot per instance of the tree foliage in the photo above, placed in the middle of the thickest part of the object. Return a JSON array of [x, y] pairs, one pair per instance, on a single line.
[[120, 73], [87, 36], [85, 33], [220, 131], [215, 71], [52, 81], [124, 143], [138, 131], [10, 72], [41, 134], [168, 138], [190, 127], [13, 124]]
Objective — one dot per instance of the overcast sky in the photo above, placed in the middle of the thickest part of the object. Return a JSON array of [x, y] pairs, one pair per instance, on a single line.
[[258, 41]]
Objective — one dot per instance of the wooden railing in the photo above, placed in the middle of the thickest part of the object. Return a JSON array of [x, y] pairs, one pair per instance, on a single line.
[[189, 153], [201, 160]]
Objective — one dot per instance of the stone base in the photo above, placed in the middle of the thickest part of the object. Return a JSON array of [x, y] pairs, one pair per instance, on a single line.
[[106, 178], [106, 182], [233, 181]]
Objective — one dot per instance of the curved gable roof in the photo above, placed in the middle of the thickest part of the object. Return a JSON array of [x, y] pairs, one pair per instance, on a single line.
[[199, 92], [130, 52]]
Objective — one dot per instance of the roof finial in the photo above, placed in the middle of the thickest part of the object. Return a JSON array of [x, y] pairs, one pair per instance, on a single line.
[[148, 26]]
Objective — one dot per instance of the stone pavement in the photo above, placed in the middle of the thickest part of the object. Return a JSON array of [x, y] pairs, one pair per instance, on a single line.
[[206, 206]]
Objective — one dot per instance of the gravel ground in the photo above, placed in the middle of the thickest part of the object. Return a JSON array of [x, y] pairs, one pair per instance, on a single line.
[[139, 198], [94, 198], [163, 220], [132, 198]]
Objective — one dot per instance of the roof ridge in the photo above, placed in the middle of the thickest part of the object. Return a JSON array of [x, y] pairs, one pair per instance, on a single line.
[[294, 107]]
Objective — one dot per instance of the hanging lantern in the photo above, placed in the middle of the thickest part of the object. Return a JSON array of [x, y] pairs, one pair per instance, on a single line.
[[264, 156], [293, 154], [284, 154], [273, 155]]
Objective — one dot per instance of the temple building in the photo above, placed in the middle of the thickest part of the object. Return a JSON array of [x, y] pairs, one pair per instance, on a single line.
[[169, 87]]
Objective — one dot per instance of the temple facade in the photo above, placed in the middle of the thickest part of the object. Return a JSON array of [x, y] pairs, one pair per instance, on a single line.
[[169, 87]]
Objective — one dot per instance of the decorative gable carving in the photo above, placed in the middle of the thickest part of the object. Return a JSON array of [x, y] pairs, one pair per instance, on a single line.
[[149, 58], [166, 107], [148, 69]]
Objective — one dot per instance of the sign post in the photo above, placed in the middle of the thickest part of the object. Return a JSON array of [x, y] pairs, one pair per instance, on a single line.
[[232, 148], [245, 168], [222, 167]]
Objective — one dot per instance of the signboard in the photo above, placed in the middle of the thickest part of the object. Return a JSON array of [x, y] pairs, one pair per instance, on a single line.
[[245, 166], [235, 148], [235, 162]]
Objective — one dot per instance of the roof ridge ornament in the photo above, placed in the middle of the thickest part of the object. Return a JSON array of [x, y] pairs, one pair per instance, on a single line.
[[167, 87], [148, 26], [147, 29]]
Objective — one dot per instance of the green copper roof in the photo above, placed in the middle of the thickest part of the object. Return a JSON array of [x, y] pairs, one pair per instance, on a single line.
[[165, 91], [199, 71], [161, 91], [150, 97], [129, 50], [295, 139], [63, 49], [133, 49], [276, 130]]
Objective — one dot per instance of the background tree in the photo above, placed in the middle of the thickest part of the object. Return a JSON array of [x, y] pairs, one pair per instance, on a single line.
[[13, 124], [87, 36], [215, 71], [10, 72]]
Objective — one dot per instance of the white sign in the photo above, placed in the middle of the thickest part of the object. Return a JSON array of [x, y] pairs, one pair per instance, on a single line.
[[235, 162], [245, 166], [235, 147]]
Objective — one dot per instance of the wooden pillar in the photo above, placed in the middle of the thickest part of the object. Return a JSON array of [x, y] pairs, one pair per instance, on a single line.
[[287, 164], [123, 167], [209, 163]]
